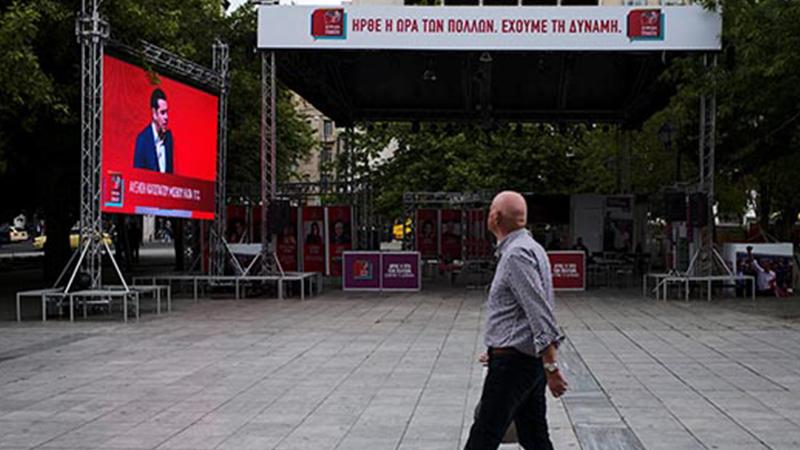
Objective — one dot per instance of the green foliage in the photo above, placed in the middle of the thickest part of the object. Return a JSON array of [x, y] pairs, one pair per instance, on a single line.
[[757, 82], [295, 137]]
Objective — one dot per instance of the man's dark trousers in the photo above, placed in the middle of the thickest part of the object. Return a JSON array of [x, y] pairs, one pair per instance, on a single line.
[[513, 390]]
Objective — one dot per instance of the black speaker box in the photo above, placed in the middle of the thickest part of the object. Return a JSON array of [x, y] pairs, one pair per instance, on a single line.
[[675, 206], [698, 209], [278, 216]]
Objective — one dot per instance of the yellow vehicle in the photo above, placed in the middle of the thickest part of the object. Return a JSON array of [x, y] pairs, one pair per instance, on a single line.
[[74, 240], [17, 235], [399, 230]]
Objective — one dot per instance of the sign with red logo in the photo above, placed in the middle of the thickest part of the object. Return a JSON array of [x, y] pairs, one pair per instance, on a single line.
[[381, 271], [329, 23], [569, 270], [645, 24]]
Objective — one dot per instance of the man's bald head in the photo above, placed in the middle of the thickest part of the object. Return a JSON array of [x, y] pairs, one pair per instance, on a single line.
[[508, 213]]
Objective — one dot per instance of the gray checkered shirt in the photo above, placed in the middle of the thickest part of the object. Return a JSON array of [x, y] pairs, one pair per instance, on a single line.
[[519, 310]]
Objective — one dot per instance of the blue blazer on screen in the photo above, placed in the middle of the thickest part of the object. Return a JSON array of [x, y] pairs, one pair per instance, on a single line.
[[145, 156]]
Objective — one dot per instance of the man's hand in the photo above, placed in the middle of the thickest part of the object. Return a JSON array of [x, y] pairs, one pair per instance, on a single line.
[[483, 358], [556, 382]]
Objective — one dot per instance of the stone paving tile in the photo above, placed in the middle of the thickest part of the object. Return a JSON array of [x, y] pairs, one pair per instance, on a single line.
[[357, 371]]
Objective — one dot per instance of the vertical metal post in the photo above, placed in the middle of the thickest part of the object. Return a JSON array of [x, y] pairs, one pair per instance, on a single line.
[[268, 151], [220, 65], [92, 32], [708, 122]]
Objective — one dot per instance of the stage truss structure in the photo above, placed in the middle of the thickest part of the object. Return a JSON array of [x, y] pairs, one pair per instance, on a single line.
[[93, 34]]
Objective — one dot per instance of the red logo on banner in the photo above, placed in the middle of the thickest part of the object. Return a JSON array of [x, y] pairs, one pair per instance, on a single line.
[[328, 23], [115, 191], [645, 24]]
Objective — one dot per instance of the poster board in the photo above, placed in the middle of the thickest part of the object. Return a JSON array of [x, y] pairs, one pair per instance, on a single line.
[[381, 271]]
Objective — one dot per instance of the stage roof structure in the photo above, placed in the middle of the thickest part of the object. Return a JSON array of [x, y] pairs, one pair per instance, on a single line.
[[521, 64]]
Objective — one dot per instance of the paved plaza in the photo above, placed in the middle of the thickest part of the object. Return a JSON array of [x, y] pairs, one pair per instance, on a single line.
[[364, 371]]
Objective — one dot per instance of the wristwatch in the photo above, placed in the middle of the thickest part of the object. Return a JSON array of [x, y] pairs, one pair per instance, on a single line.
[[551, 367]]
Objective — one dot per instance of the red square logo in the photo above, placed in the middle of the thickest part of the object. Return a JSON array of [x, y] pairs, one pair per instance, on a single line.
[[645, 24], [328, 23]]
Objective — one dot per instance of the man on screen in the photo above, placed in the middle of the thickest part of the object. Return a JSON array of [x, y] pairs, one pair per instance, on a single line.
[[154, 143]]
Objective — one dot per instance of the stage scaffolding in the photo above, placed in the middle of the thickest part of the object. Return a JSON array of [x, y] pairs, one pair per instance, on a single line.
[[93, 34]]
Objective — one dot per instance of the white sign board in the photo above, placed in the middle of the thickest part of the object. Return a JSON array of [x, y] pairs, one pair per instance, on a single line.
[[543, 28]]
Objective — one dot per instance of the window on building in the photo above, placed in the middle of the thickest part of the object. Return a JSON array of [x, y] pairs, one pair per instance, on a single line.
[[327, 130], [500, 2], [461, 2]]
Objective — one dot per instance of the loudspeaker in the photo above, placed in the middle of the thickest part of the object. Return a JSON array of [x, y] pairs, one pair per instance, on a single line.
[[675, 206], [278, 216], [698, 209]]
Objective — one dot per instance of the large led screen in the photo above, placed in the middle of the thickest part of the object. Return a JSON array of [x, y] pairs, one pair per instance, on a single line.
[[159, 144]]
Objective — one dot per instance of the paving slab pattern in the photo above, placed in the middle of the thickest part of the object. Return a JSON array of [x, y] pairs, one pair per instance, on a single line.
[[362, 371]]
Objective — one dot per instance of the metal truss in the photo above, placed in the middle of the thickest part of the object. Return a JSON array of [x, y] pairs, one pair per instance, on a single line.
[[705, 257], [92, 33], [182, 66], [268, 152], [455, 199], [221, 60]]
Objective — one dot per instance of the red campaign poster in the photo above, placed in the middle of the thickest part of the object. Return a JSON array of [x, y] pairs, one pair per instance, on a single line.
[[313, 239], [236, 227], [569, 270], [478, 244], [451, 234], [287, 244], [159, 144], [255, 229], [427, 232], [340, 232]]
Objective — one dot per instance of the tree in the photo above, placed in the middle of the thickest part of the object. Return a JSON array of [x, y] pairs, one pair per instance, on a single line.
[[39, 84], [757, 82]]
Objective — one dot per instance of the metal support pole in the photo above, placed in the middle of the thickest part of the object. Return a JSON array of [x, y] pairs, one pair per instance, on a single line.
[[708, 121], [268, 151], [92, 32], [220, 65]]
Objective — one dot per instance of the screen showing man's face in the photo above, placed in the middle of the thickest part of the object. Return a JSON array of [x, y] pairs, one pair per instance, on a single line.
[[161, 116]]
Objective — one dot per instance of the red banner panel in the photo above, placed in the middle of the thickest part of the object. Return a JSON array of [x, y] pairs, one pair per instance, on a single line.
[[236, 227], [287, 248], [569, 270], [427, 232], [313, 239], [159, 144], [477, 242], [451, 234], [340, 232]]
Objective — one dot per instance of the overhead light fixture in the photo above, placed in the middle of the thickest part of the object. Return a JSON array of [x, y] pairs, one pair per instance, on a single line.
[[485, 58]]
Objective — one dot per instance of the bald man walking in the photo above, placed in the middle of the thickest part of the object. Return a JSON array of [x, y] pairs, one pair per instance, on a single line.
[[522, 336]]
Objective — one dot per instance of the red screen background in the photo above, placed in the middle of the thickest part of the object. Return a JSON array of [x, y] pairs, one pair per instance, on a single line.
[[193, 122]]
